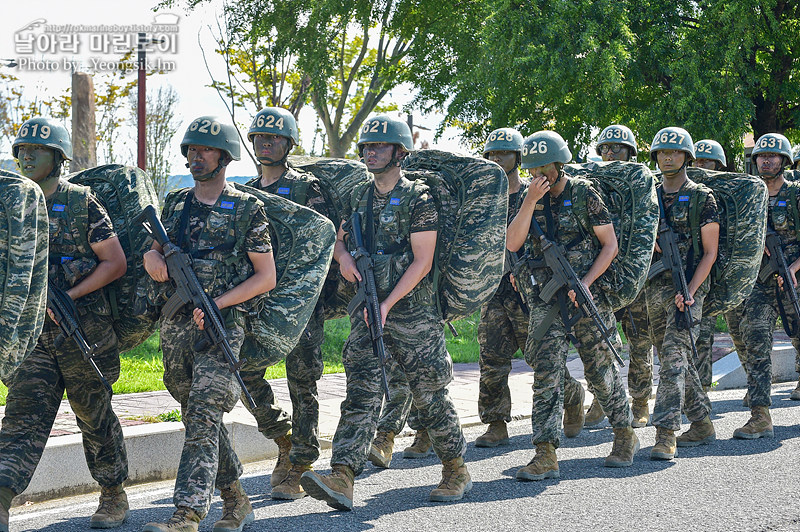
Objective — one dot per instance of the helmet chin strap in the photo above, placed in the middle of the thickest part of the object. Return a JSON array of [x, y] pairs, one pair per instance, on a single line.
[[392, 162], [678, 171], [560, 176], [214, 173], [266, 161]]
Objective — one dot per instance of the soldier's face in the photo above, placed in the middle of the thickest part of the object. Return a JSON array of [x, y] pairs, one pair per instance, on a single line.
[[272, 147], [614, 152], [670, 160], [36, 162], [377, 155], [202, 159], [769, 163], [506, 159], [706, 164], [548, 171]]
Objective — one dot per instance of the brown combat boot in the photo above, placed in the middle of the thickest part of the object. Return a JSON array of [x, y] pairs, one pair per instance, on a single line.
[[183, 520], [422, 446], [496, 434], [665, 448], [758, 426], [641, 413], [626, 444], [290, 489], [5, 505], [595, 415], [113, 509], [699, 433], [544, 464], [455, 481], [380, 454], [335, 489], [282, 465], [236, 509], [795, 395], [574, 416]]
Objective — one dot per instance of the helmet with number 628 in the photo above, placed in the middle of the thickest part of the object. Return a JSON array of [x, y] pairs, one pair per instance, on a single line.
[[212, 132], [710, 149], [45, 132], [274, 121], [672, 138], [617, 134], [544, 147], [503, 139], [773, 143], [383, 128]]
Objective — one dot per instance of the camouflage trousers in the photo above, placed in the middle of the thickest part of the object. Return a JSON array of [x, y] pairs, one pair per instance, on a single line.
[[705, 346], [35, 390], [636, 326], [548, 359], [679, 387], [204, 386], [304, 368], [415, 340], [400, 407]]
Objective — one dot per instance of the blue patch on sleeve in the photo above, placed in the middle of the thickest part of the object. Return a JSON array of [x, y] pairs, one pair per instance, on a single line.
[[394, 201], [65, 259], [284, 191], [683, 198], [227, 205], [57, 207], [782, 204], [567, 203]]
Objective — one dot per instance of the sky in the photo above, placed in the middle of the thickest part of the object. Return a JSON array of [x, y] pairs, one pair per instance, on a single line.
[[49, 38]]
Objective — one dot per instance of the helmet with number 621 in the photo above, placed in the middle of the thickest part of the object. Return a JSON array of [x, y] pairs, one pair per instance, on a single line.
[[544, 147], [383, 128], [45, 132], [212, 132]]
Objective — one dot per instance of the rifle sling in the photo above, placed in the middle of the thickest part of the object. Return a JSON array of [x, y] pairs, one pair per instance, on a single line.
[[369, 237], [183, 225]]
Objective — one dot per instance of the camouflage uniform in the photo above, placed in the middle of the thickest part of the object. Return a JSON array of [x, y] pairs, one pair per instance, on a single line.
[[304, 365], [705, 347], [35, 389], [640, 347], [201, 380], [413, 334], [679, 387], [547, 357]]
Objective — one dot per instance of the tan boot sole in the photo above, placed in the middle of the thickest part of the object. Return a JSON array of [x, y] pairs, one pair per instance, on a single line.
[[320, 491]]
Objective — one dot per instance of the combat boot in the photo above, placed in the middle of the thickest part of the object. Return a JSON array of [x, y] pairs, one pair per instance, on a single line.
[[421, 447], [758, 426], [290, 489], [183, 520], [746, 399], [665, 448], [282, 465], [380, 454], [626, 444], [455, 481], [641, 413], [795, 395], [5, 505], [236, 509], [544, 464], [699, 433], [574, 416], [335, 489], [595, 415], [496, 434], [113, 509]]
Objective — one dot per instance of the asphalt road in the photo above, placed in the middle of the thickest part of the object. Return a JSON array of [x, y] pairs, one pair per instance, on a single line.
[[727, 485]]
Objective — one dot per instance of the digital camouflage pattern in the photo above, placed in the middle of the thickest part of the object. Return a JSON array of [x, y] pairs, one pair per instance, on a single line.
[[24, 233], [705, 347], [628, 191], [741, 203], [640, 347]]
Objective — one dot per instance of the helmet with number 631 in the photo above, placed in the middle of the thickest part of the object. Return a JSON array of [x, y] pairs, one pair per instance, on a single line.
[[383, 128], [544, 147], [503, 139], [274, 121], [710, 149], [617, 134], [212, 132], [45, 132], [672, 138], [773, 143]]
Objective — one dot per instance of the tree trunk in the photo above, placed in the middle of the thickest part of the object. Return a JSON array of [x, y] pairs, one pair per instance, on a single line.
[[84, 147]]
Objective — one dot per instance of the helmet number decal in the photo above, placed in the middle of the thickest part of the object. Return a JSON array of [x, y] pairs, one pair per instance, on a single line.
[[373, 127], [206, 126], [771, 142], [672, 137], [615, 133], [535, 147], [43, 131], [703, 148], [269, 121], [500, 136]]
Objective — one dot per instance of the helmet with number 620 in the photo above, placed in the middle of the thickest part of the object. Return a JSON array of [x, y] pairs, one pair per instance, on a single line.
[[710, 149], [617, 134], [503, 139], [383, 128], [274, 121], [45, 132], [773, 143], [212, 132], [544, 147], [672, 138]]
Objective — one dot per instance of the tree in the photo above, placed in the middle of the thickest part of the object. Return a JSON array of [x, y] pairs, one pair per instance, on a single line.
[[161, 124]]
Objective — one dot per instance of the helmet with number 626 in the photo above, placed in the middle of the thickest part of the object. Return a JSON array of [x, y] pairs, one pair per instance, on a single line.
[[773, 143], [45, 132], [212, 132], [710, 149], [503, 139], [383, 128], [274, 121], [544, 147], [617, 134], [672, 138]]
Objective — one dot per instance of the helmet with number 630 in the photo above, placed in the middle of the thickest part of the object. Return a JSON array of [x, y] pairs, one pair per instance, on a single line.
[[710, 149], [274, 121], [617, 134], [45, 132], [503, 139], [212, 132], [544, 147], [773, 143], [672, 138], [383, 128]]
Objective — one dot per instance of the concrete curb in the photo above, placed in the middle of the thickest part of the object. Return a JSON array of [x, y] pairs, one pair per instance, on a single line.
[[729, 373]]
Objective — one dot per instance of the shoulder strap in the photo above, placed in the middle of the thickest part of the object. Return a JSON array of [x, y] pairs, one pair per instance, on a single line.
[[694, 217], [78, 205], [183, 225]]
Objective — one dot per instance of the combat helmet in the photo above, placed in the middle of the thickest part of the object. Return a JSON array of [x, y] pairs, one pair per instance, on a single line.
[[710, 149], [618, 134], [503, 139], [212, 132], [773, 143], [384, 128], [45, 132], [544, 147], [274, 121], [672, 138]]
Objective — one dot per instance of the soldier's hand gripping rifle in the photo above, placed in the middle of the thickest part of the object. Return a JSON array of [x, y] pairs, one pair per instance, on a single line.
[[66, 315], [777, 264], [671, 261], [188, 290], [367, 295]]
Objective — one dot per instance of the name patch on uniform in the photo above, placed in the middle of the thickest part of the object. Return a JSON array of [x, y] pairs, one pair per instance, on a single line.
[[683, 198], [782, 203], [65, 259], [227, 204], [567, 203], [284, 190], [394, 201], [59, 207]]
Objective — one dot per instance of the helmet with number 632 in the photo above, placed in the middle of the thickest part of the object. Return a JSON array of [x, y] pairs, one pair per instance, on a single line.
[[672, 138], [383, 128], [773, 143], [45, 132], [617, 134], [212, 132], [544, 147], [274, 121], [503, 139], [710, 149]]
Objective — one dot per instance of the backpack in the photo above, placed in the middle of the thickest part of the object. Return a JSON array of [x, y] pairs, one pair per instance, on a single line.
[[628, 191], [24, 237], [125, 191], [742, 205]]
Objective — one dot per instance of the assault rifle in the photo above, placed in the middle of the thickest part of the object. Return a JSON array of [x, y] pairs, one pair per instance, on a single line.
[[513, 260], [777, 264], [671, 261], [188, 290], [66, 315], [367, 294]]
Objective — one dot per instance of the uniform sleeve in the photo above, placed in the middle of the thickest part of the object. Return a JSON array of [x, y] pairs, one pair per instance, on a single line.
[[257, 239], [709, 214], [424, 216], [100, 226], [597, 210]]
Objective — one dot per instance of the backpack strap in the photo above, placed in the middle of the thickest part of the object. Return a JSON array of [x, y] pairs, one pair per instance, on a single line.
[[694, 218]]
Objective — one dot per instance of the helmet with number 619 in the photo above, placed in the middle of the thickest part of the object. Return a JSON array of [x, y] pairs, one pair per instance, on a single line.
[[503, 139], [274, 121], [773, 143], [617, 134], [383, 128], [544, 147], [212, 132], [45, 132], [672, 138], [710, 149]]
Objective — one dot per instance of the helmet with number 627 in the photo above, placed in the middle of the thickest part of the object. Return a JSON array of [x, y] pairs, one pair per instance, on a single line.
[[617, 134], [503, 139], [672, 138], [212, 132], [45, 132], [710, 149], [274, 121], [383, 128], [773, 143], [544, 147]]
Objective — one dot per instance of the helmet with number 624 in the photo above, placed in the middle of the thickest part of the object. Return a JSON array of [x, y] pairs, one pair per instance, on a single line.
[[672, 138], [617, 134], [503, 139], [710, 149], [274, 121], [45, 132], [773, 143], [212, 132], [544, 147], [383, 128]]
